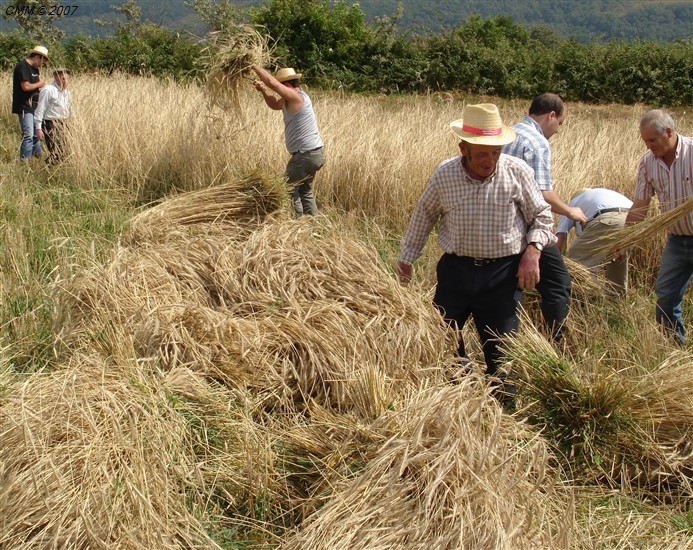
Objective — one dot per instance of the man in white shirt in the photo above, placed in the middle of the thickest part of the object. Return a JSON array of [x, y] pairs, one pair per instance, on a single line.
[[52, 114], [606, 212]]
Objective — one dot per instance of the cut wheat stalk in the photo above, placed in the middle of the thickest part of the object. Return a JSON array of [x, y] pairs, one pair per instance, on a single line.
[[634, 235]]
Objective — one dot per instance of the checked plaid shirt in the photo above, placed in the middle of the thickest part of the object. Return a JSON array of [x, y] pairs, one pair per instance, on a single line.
[[490, 219], [531, 146]]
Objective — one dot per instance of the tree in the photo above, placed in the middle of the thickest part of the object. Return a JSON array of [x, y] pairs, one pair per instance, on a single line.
[[36, 19], [218, 15]]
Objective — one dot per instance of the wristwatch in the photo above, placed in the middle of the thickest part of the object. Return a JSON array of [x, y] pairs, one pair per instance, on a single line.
[[538, 246]]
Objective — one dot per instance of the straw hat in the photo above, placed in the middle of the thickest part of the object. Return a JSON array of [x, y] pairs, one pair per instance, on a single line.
[[481, 124], [287, 74], [41, 50]]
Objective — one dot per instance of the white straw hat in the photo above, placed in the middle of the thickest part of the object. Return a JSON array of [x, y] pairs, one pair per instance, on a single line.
[[41, 50], [481, 124], [287, 74]]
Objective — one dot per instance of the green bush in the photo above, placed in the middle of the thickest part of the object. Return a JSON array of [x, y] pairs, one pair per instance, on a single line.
[[334, 46]]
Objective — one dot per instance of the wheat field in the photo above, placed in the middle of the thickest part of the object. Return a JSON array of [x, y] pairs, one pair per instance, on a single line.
[[182, 365]]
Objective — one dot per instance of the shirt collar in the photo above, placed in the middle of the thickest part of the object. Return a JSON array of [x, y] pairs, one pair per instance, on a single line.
[[679, 145], [533, 123]]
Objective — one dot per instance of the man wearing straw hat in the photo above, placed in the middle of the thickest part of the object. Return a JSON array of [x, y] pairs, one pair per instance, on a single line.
[[493, 225], [546, 114], [666, 170], [26, 83], [606, 212], [301, 133], [51, 115]]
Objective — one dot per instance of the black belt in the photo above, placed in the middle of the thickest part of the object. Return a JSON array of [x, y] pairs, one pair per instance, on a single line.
[[309, 151], [479, 262], [606, 210]]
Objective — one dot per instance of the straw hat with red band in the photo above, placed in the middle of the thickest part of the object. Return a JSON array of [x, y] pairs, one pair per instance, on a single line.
[[481, 124]]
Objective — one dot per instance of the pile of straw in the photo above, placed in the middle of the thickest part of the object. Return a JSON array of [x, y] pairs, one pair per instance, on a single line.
[[289, 370], [226, 208], [454, 472], [226, 61], [295, 311], [594, 408], [92, 457]]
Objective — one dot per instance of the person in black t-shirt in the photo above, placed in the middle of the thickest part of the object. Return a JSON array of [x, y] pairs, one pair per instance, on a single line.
[[26, 84]]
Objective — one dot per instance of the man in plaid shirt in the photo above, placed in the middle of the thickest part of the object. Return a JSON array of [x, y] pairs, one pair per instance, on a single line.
[[546, 114], [494, 225]]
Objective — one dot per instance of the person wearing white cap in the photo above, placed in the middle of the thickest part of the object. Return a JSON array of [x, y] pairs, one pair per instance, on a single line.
[[494, 224], [606, 212], [51, 115], [26, 83], [301, 133]]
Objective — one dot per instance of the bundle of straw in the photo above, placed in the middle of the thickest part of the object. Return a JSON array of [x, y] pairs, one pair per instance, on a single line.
[[227, 59], [594, 406], [454, 472], [244, 201], [635, 235]]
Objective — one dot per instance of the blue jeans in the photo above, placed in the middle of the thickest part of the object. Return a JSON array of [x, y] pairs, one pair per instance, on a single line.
[[675, 270], [31, 146]]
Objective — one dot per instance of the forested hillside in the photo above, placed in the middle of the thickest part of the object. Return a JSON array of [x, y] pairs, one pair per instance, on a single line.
[[585, 21]]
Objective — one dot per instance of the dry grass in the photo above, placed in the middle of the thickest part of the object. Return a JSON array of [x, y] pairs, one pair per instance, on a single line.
[[279, 297], [454, 473], [230, 376], [226, 62], [616, 417], [225, 207], [639, 234], [93, 457]]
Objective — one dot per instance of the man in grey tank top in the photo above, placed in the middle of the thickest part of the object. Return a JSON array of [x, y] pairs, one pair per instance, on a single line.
[[300, 132]]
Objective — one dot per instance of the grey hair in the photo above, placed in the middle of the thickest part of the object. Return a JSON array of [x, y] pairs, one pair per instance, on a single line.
[[659, 120]]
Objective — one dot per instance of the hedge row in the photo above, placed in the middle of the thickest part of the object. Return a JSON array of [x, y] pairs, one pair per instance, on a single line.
[[333, 45]]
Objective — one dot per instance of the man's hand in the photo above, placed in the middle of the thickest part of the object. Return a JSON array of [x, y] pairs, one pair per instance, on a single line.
[[528, 272], [39, 134], [576, 214], [403, 271]]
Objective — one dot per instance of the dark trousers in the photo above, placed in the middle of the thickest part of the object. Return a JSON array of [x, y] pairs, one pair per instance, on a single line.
[[554, 287], [54, 131], [489, 293]]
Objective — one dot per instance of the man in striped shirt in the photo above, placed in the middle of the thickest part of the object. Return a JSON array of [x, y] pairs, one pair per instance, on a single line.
[[494, 224], [547, 113], [666, 170]]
